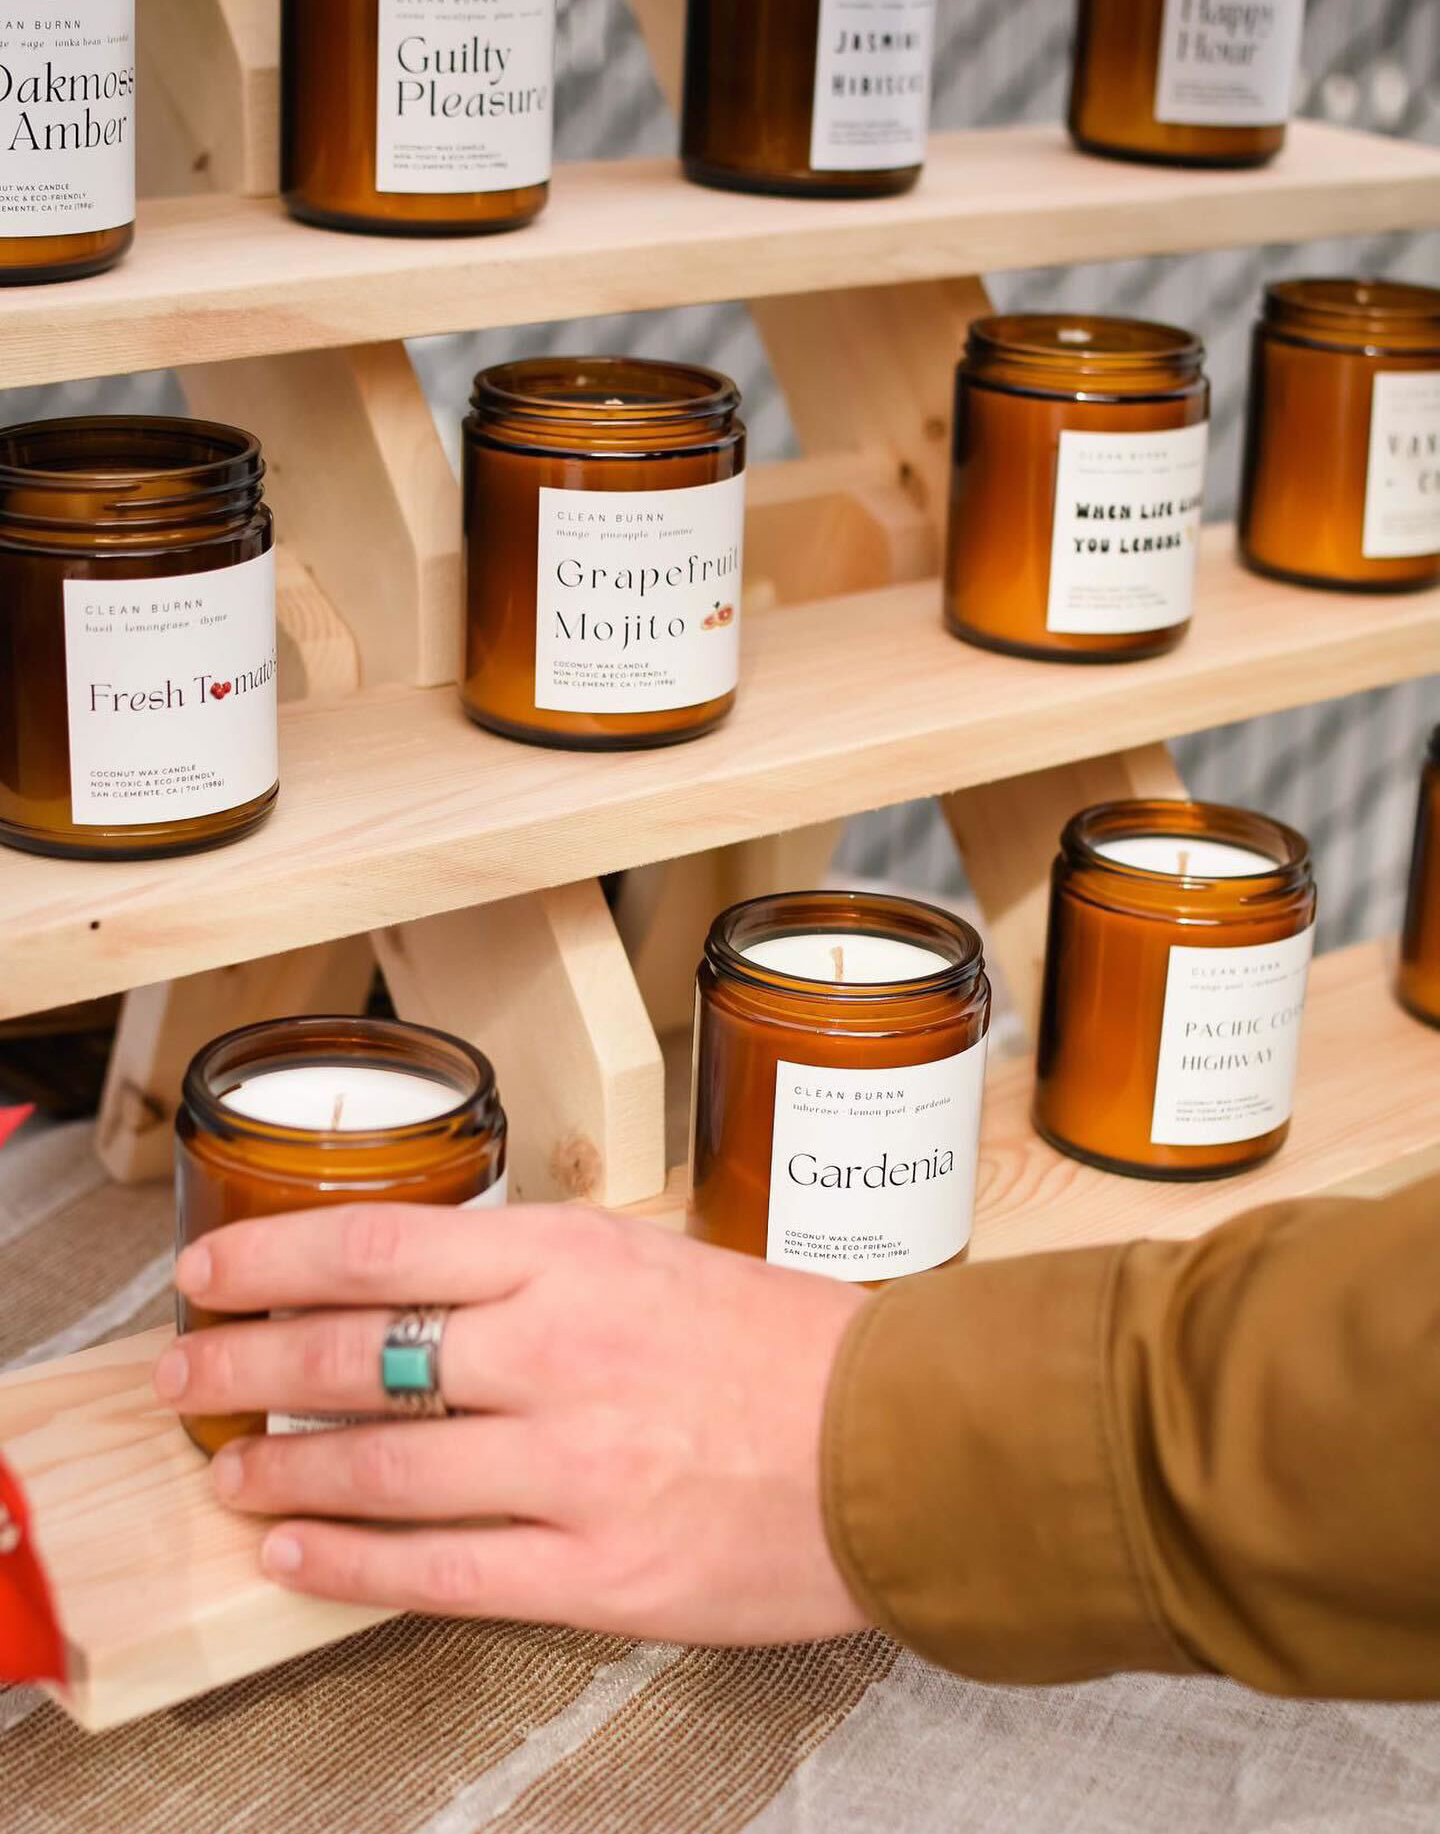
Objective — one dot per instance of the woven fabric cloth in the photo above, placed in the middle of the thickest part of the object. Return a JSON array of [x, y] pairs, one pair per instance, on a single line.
[[426, 1728]]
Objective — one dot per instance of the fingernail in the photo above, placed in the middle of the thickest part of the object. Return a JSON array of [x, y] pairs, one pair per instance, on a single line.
[[227, 1472], [172, 1375], [280, 1553], [193, 1270]]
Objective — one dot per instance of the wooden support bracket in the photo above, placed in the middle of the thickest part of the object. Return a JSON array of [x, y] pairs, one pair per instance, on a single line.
[[541, 984], [350, 441], [162, 1027], [209, 71], [1007, 834]]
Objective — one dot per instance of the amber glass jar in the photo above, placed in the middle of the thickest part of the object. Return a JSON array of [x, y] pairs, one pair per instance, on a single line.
[[67, 139], [417, 117], [604, 544], [1342, 446], [1419, 984], [305, 1114], [1180, 941], [137, 631], [1185, 82], [808, 98], [839, 1069], [1077, 487]]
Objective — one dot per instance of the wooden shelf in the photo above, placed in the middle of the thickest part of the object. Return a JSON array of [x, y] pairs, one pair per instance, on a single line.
[[216, 278], [159, 1590], [394, 807]]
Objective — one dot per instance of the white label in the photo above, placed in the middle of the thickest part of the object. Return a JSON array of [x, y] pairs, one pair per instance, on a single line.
[[171, 691], [1402, 484], [288, 1424], [1229, 1042], [872, 85], [1126, 535], [67, 118], [466, 95], [1228, 63], [637, 606], [872, 1172]]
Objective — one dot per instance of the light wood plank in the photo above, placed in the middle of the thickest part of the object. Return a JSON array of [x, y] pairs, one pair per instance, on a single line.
[[1008, 834], [393, 806], [159, 1589], [317, 654], [210, 76], [212, 279], [542, 986]]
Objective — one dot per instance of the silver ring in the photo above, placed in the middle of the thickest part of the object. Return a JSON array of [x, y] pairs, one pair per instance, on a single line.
[[410, 1363]]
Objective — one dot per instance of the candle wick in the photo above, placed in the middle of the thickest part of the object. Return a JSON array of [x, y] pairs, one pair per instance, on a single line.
[[339, 1110], [837, 955], [1184, 860]]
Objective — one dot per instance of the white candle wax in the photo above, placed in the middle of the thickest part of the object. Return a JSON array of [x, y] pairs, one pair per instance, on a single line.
[[340, 1098], [1188, 856], [845, 956]]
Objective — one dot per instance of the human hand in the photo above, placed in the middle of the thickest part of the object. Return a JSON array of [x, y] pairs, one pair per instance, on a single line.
[[643, 1418]]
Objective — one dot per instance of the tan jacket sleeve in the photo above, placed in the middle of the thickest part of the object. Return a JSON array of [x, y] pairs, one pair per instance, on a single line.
[[1221, 1455]]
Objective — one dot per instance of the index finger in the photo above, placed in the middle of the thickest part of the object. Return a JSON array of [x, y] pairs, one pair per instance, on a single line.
[[367, 1254]]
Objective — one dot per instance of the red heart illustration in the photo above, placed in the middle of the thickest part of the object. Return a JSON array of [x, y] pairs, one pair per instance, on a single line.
[[219, 689]]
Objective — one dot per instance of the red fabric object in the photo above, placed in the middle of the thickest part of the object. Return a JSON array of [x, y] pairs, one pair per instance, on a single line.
[[12, 1119], [31, 1647]]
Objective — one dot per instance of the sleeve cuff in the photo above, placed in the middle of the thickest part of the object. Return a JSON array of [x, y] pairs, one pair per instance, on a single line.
[[971, 1498]]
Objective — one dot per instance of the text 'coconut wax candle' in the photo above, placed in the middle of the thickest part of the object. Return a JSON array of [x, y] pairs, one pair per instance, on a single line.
[[1175, 972], [1419, 985], [67, 138], [418, 117], [1077, 487], [1185, 82], [604, 548], [823, 98], [137, 619], [1342, 441], [303, 1114], [839, 1071]]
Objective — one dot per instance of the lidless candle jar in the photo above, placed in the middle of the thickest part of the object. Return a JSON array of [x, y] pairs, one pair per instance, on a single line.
[[1419, 984], [305, 1114], [1175, 971], [137, 624], [822, 98], [1185, 82], [604, 541], [1342, 446], [417, 117], [839, 1069], [1077, 488], [67, 139]]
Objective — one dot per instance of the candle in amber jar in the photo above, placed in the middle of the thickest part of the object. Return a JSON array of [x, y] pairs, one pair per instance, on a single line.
[[302, 1114], [1180, 941], [808, 98], [604, 543], [1185, 82], [67, 138], [137, 628], [417, 117], [1419, 984], [1077, 486], [1342, 443], [839, 1069]]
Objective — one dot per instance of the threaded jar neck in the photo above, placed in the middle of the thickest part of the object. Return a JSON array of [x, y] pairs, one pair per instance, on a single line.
[[629, 405], [1360, 314], [1084, 354]]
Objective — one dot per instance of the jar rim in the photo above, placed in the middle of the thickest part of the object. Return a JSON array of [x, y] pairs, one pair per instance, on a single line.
[[880, 914], [1356, 309], [1184, 819], [233, 453], [590, 391], [392, 1043], [1088, 340]]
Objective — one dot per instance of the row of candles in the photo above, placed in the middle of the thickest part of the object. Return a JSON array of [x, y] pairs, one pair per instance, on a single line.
[[839, 1056], [421, 117], [604, 507]]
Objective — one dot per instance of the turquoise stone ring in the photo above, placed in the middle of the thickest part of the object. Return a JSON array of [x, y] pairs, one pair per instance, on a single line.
[[410, 1363]]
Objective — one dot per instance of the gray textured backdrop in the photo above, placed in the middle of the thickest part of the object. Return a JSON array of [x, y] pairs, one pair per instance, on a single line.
[[1343, 772]]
